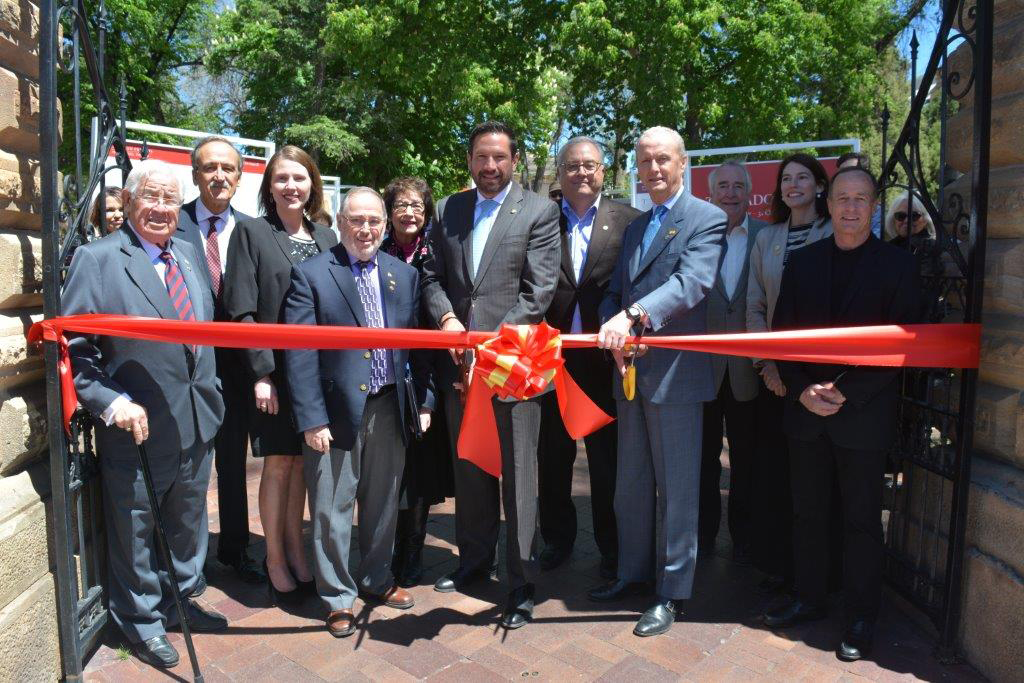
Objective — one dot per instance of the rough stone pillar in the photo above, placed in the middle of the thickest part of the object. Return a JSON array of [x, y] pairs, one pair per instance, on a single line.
[[993, 593], [28, 622]]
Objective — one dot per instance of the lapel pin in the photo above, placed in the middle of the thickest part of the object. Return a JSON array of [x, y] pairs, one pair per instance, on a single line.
[[777, 249], [604, 227], [389, 275], [513, 211], [391, 287]]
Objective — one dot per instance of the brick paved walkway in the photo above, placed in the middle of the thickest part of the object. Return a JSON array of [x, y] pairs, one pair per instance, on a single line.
[[454, 637]]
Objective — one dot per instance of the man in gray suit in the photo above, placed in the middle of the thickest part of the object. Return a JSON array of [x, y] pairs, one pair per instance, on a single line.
[[137, 387], [668, 262], [495, 256], [736, 382]]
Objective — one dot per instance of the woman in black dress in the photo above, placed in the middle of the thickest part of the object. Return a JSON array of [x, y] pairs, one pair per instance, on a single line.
[[428, 477], [260, 259]]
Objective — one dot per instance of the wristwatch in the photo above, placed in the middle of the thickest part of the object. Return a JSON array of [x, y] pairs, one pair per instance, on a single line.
[[635, 314]]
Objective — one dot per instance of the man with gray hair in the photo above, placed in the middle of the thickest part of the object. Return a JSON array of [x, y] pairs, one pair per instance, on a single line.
[[352, 407], [208, 224], [136, 388], [668, 262], [736, 383], [592, 227]]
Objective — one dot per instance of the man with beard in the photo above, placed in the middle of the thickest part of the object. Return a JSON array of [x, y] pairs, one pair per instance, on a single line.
[[494, 260], [208, 223]]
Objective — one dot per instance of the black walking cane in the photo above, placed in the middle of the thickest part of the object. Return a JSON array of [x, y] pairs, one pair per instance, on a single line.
[[165, 557]]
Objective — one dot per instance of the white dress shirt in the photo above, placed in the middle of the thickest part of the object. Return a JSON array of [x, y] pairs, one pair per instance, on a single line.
[[580, 230], [225, 224], [735, 255]]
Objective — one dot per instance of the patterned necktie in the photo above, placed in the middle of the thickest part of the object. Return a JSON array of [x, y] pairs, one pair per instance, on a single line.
[[371, 306], [480, 234], [652, 228], [213, 256], [178, 291]]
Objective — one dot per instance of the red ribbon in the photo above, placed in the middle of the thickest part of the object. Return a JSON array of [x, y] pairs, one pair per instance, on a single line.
[[943, 346]]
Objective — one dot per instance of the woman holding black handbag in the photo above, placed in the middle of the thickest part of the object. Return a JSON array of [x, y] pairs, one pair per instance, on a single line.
[[428, 477]]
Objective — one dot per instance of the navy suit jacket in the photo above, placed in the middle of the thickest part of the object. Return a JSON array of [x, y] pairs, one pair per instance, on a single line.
[[670, 282], [115, 275], [329, 387]]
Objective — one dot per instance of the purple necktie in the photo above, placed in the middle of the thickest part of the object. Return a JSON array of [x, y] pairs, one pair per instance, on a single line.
[[371, 306]]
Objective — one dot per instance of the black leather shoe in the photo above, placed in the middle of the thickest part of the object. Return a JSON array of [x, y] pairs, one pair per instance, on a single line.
[[857, 641], [773, 584], [459, 579], [157, 651], [200, 586], [519, 609], [618, 590], [792, 613], [203, 620], [609, 568], [411, 572], [656, 620], [553, 556], [247, 569]]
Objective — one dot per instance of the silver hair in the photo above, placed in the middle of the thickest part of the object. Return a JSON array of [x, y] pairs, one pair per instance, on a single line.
[[362, 189], [142, 170], [578, 140], [734, 163], [201, 142], [662, 130], [889, 229]]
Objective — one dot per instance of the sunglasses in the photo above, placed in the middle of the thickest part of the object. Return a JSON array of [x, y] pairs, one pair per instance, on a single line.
[[902, 215]]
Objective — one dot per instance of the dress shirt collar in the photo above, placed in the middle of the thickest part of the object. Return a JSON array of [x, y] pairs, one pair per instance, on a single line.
[[354, 261], [581, 220], [203, 216], [743, 228], [499, 198], [671, 201], [153, 251]]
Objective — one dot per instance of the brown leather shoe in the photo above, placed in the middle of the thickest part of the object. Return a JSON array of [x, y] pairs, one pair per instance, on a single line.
[[396, 597], [341, 623]]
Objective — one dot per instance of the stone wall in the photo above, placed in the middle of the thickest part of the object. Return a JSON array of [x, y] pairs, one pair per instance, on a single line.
[[993, 594], [28, 624]]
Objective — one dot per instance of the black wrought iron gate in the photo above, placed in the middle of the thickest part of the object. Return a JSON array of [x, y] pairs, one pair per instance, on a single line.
[[927, 492], [931, 461]]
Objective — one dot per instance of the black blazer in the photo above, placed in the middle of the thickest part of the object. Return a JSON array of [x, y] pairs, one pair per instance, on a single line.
[[188, 229], [257, 278], [885, 290], [586, 365], [329, 387]]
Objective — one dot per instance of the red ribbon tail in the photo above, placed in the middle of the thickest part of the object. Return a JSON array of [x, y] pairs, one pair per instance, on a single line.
[[580, 415], [478, 437], [69, 398]]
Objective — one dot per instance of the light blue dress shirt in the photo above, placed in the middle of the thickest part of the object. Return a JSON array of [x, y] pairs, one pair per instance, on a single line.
[[580, 231]]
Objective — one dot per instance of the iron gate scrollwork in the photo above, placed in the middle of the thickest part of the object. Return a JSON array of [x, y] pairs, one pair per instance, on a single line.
[[79, 547], [926, 496]]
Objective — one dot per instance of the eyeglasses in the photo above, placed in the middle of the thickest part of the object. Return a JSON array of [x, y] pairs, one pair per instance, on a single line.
[[586, 166], [417, 207], [355, 222], [902, 215], [161, 198]]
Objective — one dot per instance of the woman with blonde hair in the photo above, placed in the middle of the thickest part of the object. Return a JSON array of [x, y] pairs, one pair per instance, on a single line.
[[897, 217], [260, 259]]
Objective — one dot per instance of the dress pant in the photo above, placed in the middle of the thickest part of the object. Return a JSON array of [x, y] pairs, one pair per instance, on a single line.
[[141, 600], [815, 465], [656, 490], [369, 475], [740, 419], [230, 451], [556, 456], [772, 518], [478, 494]]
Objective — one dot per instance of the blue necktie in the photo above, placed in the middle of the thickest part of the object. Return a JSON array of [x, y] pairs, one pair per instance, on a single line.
[[371, 307], [652, 228], [480, 232]]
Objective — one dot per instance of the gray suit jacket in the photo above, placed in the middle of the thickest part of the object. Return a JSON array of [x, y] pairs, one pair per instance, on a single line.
[[114, 275], [518, 269], [671, 282], [728, 315]]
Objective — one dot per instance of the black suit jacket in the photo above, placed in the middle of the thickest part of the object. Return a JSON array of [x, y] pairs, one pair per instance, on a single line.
[[585, 365], [257, 278], [885, 290], [329, 387], [188, 229]]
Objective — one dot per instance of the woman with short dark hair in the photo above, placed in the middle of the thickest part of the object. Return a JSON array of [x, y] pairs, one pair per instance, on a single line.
[[428, 477], [113, 210], [260, 258]]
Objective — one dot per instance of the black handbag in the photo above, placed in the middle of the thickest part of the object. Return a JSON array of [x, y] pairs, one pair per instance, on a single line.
[[412, 411]]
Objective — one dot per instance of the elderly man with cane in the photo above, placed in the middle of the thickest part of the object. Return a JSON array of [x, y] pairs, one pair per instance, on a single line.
[[138, 388]]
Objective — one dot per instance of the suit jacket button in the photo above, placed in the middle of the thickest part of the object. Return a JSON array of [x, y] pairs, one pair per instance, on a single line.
[[363, 387], [368, 354], [732, 310]]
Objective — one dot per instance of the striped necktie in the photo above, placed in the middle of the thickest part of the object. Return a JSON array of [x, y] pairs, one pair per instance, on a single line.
[[176, 288]]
